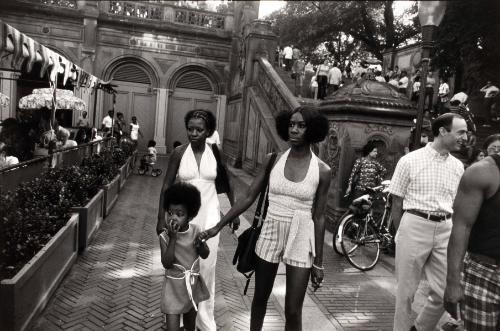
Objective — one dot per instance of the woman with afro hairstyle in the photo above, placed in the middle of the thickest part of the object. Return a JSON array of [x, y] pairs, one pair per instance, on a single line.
[[195, 163], [294, 228]]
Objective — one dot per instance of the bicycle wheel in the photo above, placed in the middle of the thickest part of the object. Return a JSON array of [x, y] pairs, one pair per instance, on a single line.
[[337, 234], [360, 244]]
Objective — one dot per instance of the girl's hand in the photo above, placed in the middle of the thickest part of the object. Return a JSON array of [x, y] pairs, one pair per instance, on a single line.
[[201, 248], [235, 224], [172, 228], [207, 234], [317, 276]]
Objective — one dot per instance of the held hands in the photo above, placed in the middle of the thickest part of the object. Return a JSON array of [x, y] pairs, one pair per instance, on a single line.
[[207, 234], [317, 275], [235, 224], [453, 295]]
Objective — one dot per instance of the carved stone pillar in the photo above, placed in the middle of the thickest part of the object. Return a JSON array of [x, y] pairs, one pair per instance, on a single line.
[[357, 114], [221, 115], [257, 40], [162, 96]]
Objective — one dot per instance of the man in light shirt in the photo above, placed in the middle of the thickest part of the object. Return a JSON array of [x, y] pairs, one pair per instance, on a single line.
[[334, 78], [378, 76], [423, 188], [461, 97], [288, 56], [403, 82], [107, 122], [429, 90]]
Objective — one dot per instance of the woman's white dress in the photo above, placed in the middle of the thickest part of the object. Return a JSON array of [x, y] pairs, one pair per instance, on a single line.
[[209, 215]]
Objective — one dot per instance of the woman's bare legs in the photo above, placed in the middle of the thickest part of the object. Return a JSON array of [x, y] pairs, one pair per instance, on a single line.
[[265, 273], [173, 322], [296, 286]]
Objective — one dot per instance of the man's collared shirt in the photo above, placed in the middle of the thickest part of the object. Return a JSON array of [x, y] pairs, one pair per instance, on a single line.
[[107, 122], [427, 180], [334, 76]]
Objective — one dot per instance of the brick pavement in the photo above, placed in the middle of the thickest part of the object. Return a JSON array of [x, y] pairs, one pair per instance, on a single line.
[[115, 283]]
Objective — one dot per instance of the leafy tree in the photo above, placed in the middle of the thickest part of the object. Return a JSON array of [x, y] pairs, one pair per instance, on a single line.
[[467, 43], [365, 25]]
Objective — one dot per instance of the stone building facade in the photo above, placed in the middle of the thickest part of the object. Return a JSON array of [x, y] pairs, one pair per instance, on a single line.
[[164, 59]]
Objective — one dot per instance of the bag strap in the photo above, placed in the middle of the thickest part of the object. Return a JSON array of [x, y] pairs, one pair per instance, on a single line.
[[248, 277], [263, 193], [215, 150]]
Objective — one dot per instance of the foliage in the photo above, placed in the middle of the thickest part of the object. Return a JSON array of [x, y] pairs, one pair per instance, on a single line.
[[345, 26], [467, 42], [37, 209], [30, 216]]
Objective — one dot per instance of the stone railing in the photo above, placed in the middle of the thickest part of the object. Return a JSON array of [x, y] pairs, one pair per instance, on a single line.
[[71, 4], [167, 13], [273, 87]]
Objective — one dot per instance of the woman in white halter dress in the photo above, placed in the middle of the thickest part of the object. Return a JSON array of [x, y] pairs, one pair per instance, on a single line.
[[195, 163], [294, 228]]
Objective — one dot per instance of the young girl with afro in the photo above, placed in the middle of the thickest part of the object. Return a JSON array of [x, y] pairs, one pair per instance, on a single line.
[[183, 287]]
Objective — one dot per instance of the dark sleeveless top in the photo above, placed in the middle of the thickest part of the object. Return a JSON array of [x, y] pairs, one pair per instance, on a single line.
[[485, 234]]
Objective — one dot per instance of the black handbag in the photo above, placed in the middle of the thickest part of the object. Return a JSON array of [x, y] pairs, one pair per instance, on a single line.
[[244, 256], [222, 180]]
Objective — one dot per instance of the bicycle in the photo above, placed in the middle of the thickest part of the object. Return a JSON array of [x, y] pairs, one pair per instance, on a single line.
[[359, 236], [146, 164]]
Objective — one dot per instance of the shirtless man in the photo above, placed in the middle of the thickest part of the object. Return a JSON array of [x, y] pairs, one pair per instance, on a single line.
[[476, 235]]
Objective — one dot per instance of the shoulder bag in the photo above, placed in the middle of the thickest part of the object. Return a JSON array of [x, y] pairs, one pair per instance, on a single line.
[[244, 256], [222, 180]]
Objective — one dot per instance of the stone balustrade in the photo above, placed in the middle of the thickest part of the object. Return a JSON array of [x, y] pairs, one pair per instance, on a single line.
[[152, 12], [273, 87], [167, 13]]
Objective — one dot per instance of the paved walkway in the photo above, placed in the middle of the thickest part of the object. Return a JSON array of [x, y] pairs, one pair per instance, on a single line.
[[115, 283]]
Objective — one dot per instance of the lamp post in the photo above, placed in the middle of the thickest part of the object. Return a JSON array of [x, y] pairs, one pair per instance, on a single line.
[[430, 14]]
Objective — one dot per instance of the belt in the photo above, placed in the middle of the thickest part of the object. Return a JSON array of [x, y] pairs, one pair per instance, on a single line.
[[430, 217], [483, 259]]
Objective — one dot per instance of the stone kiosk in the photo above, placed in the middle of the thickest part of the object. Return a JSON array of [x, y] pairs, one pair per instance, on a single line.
[[358, 113]]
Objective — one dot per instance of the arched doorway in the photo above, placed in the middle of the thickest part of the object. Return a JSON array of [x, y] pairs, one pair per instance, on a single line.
[[135, 96], [193, 89]]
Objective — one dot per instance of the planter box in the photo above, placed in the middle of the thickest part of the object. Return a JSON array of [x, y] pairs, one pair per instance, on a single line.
[[123, 174], [91, 216], [111, 194], [25, 295], [132, 162]]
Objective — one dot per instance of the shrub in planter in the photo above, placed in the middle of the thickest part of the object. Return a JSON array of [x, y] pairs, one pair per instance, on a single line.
[[119, 156], [101, 166], [29, 217]]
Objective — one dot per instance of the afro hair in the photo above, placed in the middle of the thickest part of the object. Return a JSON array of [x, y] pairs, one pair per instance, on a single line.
[[205, 115], [316, 124], [183, 194]]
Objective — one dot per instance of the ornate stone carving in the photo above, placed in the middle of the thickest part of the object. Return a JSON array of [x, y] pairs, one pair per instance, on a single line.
[[242, 58], [371, 127], [332, 149], [272, 93]]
